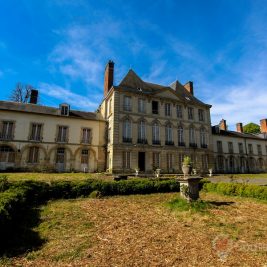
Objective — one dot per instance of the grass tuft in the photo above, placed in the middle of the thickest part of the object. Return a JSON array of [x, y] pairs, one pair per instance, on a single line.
[[180, 204]]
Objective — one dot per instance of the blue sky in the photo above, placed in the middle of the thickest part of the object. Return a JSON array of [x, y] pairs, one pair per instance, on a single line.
[[61, 47]]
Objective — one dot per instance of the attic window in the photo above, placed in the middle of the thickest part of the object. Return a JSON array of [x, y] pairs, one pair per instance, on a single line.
[[64, 109], [139, 89], [187, 98]]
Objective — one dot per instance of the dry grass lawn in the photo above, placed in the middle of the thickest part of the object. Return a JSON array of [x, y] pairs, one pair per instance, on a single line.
[[141, 230]]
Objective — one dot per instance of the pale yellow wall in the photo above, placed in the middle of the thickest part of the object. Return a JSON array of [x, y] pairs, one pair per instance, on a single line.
[[255, 157], [48, 145]]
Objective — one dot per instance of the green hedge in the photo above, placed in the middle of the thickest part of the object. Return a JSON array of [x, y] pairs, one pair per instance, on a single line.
[[236, 189]]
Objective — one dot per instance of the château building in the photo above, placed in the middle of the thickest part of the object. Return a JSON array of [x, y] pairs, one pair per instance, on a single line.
[[153, 126], [138, 125]]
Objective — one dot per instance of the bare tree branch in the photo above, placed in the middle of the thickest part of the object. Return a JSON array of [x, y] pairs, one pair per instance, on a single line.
[[21, 93]]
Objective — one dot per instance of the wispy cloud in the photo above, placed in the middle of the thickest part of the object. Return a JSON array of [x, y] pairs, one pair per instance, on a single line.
[[83, 50], [66, 95]]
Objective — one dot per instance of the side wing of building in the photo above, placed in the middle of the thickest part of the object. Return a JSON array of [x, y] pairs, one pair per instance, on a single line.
[[34, 137], [237, 152]]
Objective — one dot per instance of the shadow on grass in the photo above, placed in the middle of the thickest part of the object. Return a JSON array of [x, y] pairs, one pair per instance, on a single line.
[[221, 203], [21, 238], [195, 206]]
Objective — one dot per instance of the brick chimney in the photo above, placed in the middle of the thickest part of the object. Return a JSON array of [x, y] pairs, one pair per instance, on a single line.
[[189, 87], [34, 96], [239, 127], [222, 125], [263, 125], [109, 77]]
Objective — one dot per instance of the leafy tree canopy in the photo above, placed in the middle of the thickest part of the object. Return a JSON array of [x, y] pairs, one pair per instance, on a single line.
[[251, 128]]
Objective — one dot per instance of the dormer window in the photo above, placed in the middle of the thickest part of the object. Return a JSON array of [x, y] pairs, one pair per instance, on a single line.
[[64, 109]]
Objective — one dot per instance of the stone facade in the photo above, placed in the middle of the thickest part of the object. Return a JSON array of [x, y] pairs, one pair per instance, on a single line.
[[143, 108], [138, 125]]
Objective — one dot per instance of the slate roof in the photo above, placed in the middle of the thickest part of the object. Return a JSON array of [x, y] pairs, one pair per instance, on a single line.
[[132, 82], [45, 110], [217, 131]]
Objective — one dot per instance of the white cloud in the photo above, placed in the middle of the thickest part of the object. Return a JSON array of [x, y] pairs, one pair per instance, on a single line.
[[66, 95], [242, 103], [83, 50]]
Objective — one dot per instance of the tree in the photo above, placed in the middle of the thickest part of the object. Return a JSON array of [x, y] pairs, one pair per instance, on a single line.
[[21, 93], [252, 128]]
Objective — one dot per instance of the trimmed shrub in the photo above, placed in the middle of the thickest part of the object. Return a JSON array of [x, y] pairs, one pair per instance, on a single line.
[[236, 189], [3, 183]]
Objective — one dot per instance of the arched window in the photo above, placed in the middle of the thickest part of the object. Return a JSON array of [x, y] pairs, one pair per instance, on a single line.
[[127, 131], [168, 135], [33, 156], [155, 134], [180, 136], [142, 132]]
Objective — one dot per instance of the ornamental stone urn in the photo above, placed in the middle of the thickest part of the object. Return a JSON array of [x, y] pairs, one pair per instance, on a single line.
[[189, 187]]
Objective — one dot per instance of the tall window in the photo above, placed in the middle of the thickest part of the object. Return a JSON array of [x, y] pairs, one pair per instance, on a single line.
[[203, 138], [155, 107], [230, 147], [126, 162], [181, 136], [179, 111], [240, 147], [36, 132], [201, 115], [142, 132], [86, 136], [7, 130], [141, 105], [155, 134], [167, 109], [84, 156], [250, 149], [205, 162], [156, 160], [259, 150], [127, 131], [219, 147], [190, 113], [33, 154], [60, 157], [168, 135], [127, 104], [7, 154], [220, 161], [62, 134], [192, 136], [169, 161]]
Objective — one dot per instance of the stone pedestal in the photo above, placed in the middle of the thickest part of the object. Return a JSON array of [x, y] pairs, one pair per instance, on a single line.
[[189, 187]]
